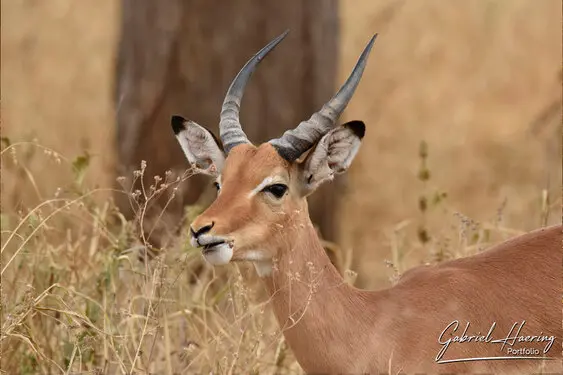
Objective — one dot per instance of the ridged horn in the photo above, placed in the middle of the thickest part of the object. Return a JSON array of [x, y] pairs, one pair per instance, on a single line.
[[230, 129], [293, 143]]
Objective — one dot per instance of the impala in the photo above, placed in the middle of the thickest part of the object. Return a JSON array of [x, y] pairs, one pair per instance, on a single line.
[[498, 311]]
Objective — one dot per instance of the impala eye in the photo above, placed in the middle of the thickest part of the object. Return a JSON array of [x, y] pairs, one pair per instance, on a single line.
[[217, 186], [277, 190]]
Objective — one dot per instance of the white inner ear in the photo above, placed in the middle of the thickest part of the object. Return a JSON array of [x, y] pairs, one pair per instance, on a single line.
[[343, 147], [332, 155], [201, 149]]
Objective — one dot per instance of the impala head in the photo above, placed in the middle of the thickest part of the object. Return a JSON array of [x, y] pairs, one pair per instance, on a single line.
[[262, 189]]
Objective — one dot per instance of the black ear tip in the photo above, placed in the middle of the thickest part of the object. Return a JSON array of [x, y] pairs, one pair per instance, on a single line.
[[358, 127], [177, 123]]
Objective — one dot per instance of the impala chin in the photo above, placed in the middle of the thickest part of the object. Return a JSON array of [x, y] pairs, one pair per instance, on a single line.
[[218, 255]]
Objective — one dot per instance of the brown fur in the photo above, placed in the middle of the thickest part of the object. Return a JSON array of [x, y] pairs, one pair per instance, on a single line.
[[344, 329], [332, 327]]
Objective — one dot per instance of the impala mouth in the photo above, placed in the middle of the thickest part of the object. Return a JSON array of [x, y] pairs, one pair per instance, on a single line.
[[211, 247], [217, 252]]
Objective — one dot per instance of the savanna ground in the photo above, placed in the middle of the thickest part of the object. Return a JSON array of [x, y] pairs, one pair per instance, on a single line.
[[462, 106]]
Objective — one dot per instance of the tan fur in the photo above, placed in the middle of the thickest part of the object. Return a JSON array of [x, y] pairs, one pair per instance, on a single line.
[[249, 222], [332, 327]]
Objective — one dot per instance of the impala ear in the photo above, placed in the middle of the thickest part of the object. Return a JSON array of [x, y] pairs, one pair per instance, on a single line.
[[332, 155], [202, 149]]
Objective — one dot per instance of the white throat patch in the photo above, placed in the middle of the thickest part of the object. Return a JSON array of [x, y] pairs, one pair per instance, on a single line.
[[262, 264], [263, 267]]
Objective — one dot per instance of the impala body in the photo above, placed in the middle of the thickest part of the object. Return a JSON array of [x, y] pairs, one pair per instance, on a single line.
[[498, 311]]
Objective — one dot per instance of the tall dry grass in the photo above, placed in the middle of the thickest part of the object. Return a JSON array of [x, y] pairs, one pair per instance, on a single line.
[[79, 294], [454, 160], [76, 297]]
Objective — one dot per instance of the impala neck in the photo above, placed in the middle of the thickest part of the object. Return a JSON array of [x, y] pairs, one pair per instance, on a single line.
[[310, 298], [301, 264]]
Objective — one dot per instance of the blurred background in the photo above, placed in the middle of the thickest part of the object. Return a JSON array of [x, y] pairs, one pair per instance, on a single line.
[[477, 84], [462, 103]]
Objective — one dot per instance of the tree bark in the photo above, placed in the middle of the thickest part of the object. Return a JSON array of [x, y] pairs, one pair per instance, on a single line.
[[179, 57]]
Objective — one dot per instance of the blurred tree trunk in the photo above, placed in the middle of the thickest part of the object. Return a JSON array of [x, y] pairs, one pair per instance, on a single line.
[[179, 57]]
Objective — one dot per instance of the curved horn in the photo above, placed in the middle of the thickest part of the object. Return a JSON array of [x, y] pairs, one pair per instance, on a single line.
[[230, 129], [293, 143]]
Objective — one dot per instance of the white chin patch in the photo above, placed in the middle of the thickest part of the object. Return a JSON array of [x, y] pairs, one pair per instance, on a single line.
[[263, 267], [219, 255]]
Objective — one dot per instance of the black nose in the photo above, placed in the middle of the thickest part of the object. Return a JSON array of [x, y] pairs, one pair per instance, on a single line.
[[202, 230]]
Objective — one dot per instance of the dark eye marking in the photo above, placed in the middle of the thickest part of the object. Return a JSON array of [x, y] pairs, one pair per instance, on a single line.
[[277, 190]]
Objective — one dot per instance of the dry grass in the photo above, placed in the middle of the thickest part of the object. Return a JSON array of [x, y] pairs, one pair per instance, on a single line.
[[77, 299], [469, 78]]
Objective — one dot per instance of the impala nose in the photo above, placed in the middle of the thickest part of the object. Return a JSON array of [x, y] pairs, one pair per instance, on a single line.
[[196, 232]]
